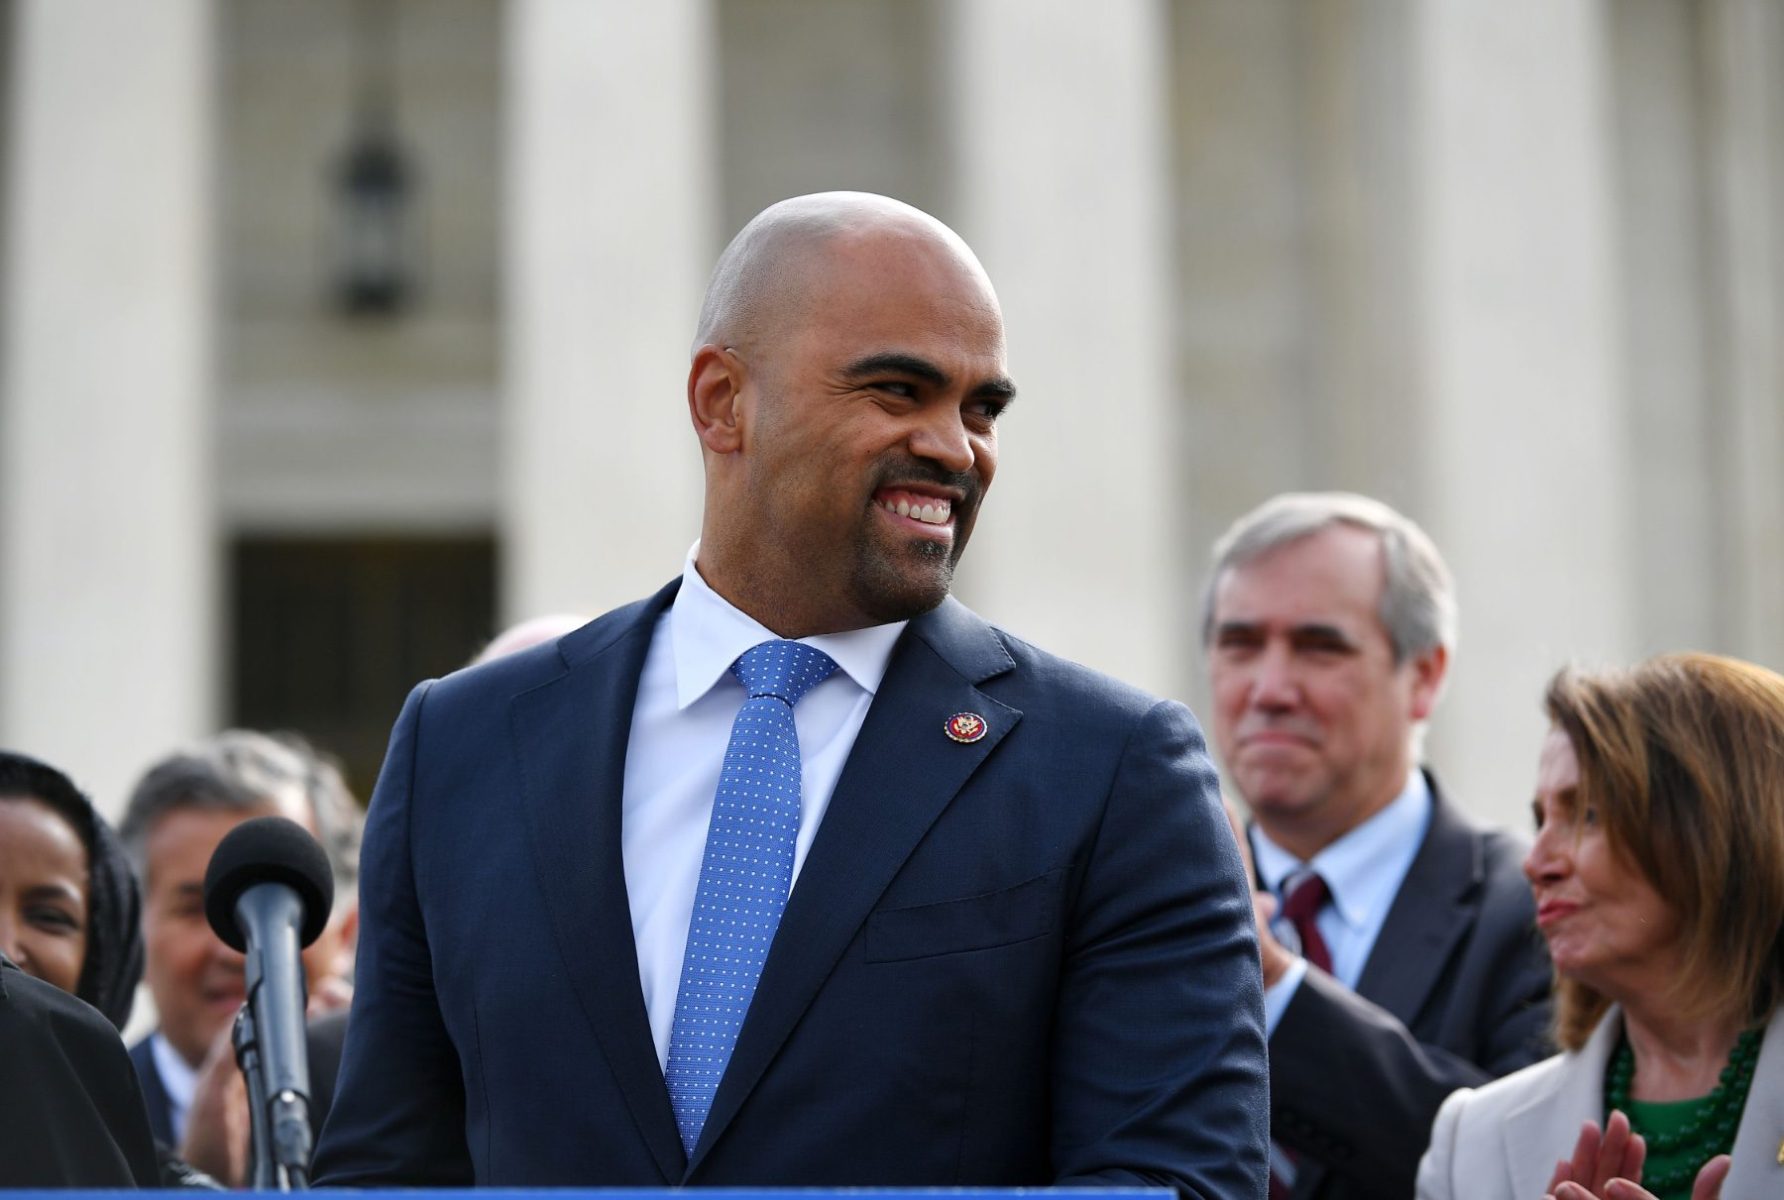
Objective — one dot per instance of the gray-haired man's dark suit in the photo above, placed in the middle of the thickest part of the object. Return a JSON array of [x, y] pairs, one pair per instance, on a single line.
[[1455, 992]]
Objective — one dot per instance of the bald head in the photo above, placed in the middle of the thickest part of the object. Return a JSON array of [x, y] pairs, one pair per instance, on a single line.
[[765, 278], [849, 364]]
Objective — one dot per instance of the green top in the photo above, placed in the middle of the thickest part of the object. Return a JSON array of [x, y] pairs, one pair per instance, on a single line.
[[1683, 1135], [1668, 1119]]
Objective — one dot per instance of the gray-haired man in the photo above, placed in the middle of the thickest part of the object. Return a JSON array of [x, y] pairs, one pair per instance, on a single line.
[[178, 812], [1402, 961]]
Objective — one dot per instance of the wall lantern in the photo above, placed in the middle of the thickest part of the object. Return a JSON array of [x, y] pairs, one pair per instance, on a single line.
[[375, 186]]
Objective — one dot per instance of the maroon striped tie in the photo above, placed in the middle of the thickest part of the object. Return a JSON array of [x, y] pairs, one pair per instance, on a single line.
[[1300, 908]]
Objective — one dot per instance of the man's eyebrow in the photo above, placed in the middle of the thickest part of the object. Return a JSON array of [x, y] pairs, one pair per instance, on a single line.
[[1000, 387], [897, 364], [1322, 631], [1313, 630]]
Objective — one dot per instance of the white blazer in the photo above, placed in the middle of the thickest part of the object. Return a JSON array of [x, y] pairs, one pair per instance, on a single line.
[[1502, 1141]]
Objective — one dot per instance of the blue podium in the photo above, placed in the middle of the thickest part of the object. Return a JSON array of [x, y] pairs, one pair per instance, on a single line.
[[687, 1193]]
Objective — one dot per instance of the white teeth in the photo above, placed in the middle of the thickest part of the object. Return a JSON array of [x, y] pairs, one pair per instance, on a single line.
[[934, 512]]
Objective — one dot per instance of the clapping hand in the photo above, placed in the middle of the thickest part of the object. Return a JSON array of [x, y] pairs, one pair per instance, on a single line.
[[1608, 1166], [217, 1121], [216, 1139]]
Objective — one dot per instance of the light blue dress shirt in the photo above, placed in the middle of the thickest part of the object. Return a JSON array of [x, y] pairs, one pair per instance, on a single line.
[[681, 724], [1364, 870]]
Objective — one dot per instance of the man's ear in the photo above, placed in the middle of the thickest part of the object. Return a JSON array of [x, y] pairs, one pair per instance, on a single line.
[[716, 380], [1428, 673]]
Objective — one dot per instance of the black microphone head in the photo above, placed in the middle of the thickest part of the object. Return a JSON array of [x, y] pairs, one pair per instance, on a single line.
[[268, 850]]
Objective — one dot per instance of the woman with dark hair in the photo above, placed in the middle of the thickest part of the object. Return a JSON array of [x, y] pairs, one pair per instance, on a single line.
[[72, 1113], [71, 913], [1658, 873]]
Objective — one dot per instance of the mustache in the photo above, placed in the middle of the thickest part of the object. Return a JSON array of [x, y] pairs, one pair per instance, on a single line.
[[906, 469]]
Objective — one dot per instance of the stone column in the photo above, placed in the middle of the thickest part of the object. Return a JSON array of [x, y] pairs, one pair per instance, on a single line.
[[1294, 308], [1527, 454], [610, 202], [1062, 185], [1741, 42], [108, 625], [1678, 596]]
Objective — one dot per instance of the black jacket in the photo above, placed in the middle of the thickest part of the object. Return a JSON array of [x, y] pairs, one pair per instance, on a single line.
[[71, 1113]]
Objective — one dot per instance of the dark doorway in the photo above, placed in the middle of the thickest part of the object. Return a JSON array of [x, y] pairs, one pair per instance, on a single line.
[[331, 633]]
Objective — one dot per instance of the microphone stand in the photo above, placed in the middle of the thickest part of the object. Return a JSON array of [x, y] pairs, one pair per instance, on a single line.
[[279, 1126], [262, 1177]]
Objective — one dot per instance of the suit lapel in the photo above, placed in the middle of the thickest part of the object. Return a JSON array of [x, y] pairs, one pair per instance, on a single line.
[[1542, 1132], [154, 1092], [901, 774], [1759, 1141], [572, 733], [1429, 915]]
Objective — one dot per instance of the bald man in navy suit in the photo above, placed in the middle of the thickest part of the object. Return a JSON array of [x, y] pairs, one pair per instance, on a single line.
[[1010, 939]]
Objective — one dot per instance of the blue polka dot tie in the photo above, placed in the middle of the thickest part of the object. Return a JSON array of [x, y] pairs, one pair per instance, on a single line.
[[744, 877]]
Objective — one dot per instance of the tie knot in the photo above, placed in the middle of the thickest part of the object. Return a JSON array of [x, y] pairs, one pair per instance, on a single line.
[[1306, 898], [782, 669]]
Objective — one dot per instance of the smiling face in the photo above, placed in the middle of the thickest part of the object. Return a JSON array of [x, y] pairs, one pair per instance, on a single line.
[[1313, 718], [860, 438], [43, 892], [196, 980], [1606, 925]]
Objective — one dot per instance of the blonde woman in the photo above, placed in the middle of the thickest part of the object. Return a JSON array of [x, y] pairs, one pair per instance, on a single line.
[[1658, 875]]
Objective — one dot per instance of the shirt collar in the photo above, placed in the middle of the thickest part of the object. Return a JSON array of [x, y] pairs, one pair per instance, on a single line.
[[178, 1079], [1352, 866], [707, 633]]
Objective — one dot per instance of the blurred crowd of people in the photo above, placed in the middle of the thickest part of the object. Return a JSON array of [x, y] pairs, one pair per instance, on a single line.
[[1457, 1012], [96, 913], [93, 913]]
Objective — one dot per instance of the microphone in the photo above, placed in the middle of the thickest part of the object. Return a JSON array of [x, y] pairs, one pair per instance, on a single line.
[[268, 892]]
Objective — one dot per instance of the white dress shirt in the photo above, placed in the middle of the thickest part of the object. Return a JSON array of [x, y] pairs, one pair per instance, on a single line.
[[178, 1080], [681, 724], [1363, 870]]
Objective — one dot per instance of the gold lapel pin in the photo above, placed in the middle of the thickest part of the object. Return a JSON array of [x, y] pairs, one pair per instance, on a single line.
[[965, 727]]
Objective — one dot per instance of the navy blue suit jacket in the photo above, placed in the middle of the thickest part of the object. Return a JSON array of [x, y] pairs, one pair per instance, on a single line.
[[1018, 961]]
